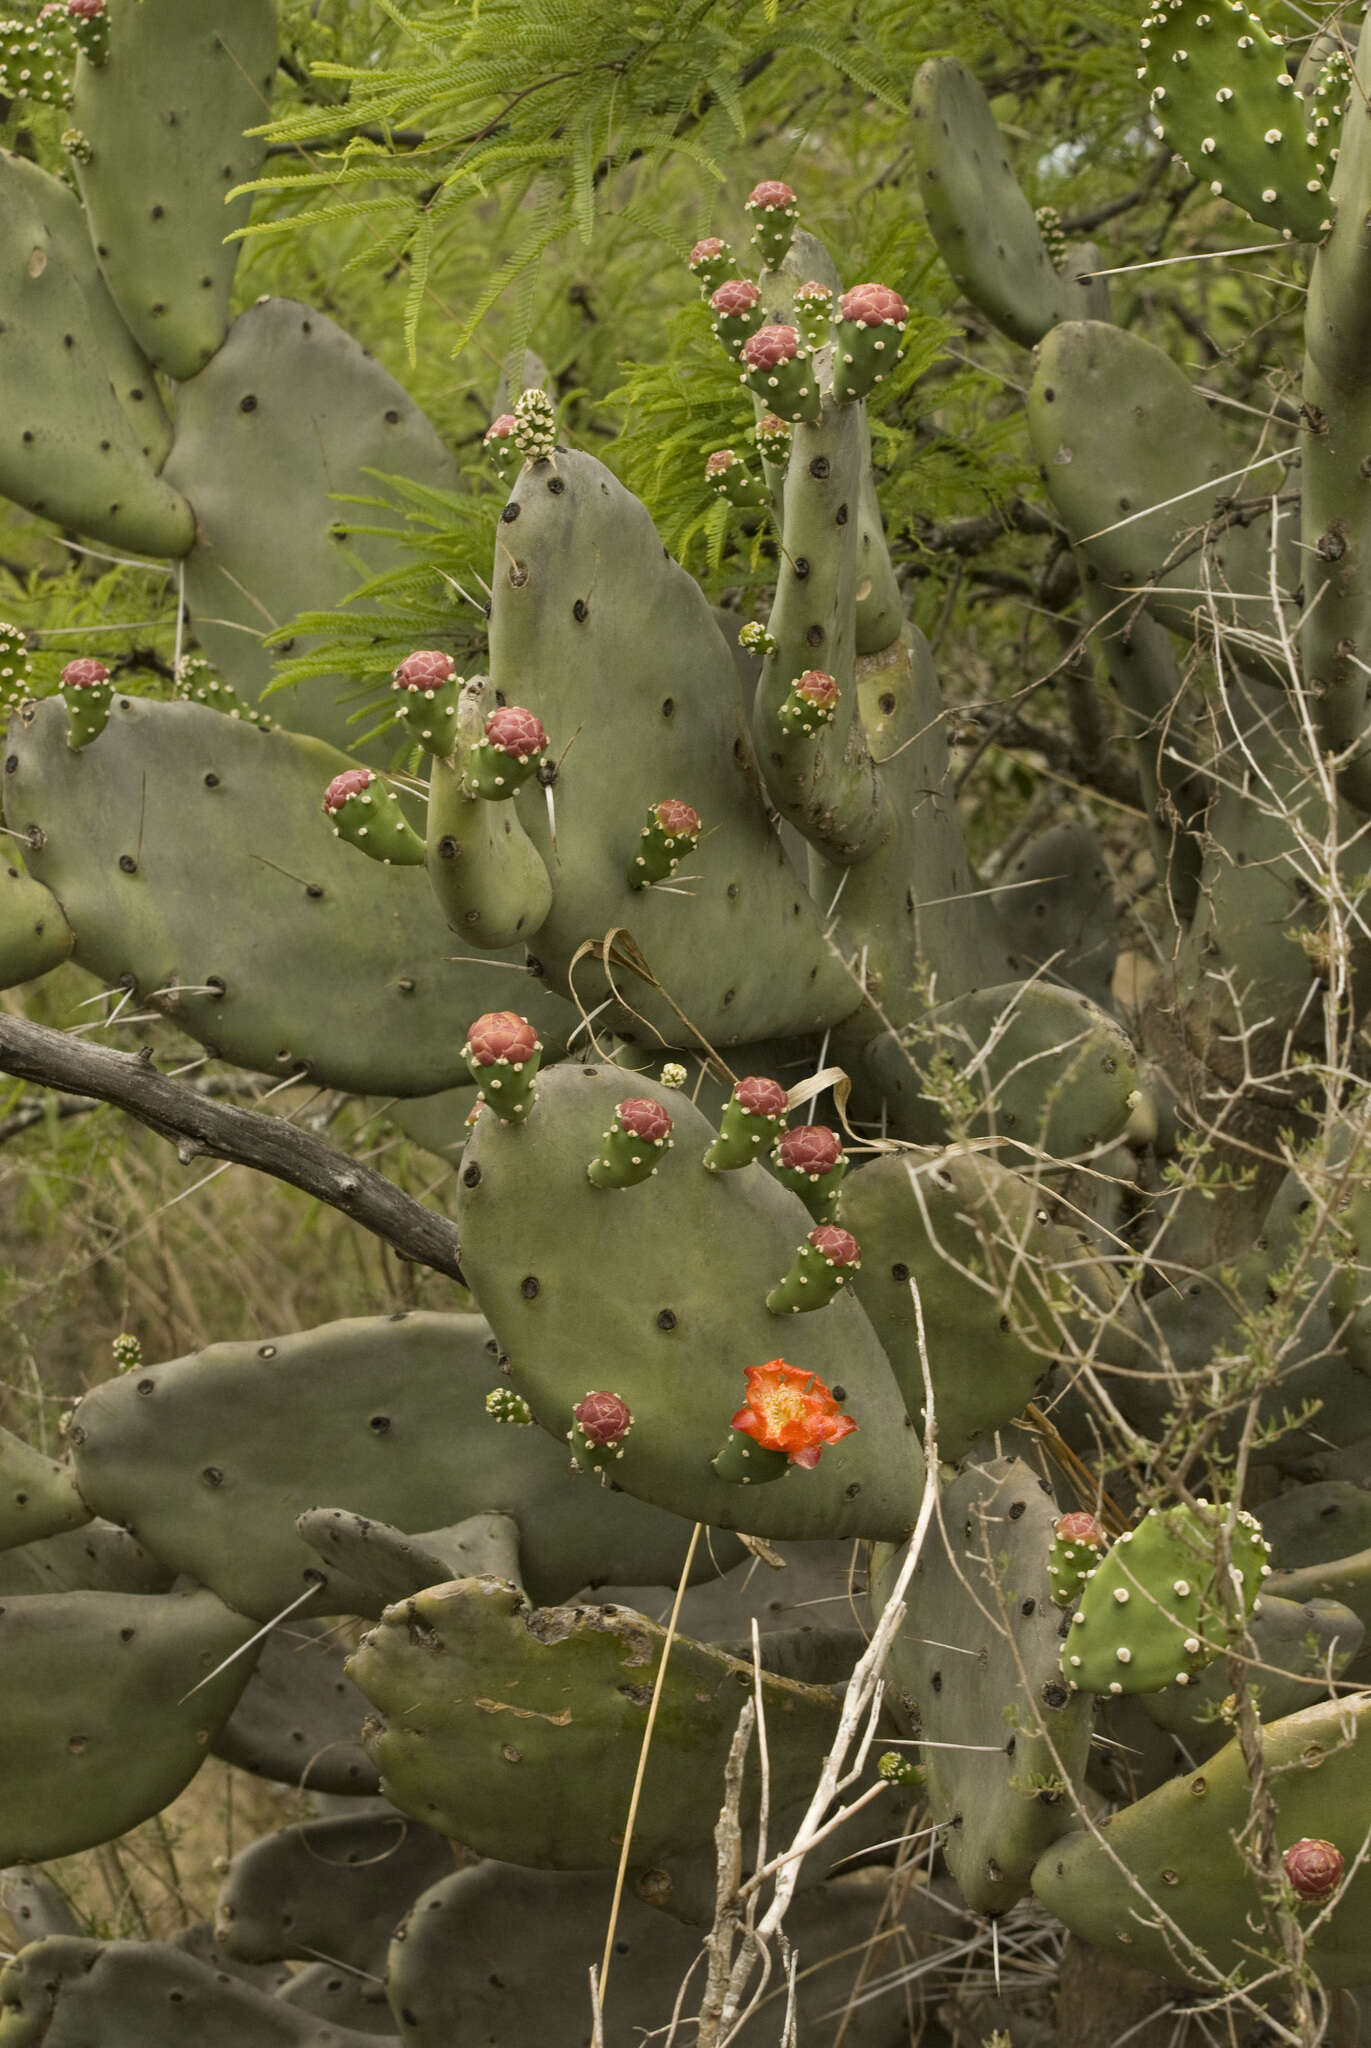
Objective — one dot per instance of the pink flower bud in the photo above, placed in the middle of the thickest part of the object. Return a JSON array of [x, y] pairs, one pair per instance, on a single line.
[[1313, 1868], [838, 1247], [425, 669], [84, 673], [603, 1418], [352, 782], [735, 295], [873, 305], [760, 1096], [500, 429], [1079, 1528], [501, 1035], [703, 251], [676, 819], [516, 731], [810, 1148], [818, 688], [770, 346], [770, 195], [645, 1119]]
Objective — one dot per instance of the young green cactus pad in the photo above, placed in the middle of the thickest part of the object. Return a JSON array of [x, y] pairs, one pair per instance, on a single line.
[[1222, 92], [1154, 1610], [214, 1456], [976, 1662], [1174, 1850], [502, 1053], [633, 1144], [687, 1315], [285, 419], [550, 1786], [753, 1118], [427, 690], [1077, 1546], [728, 474], [188, 854], [86, 692], [368, 815], [104, 1717], [165, 119]]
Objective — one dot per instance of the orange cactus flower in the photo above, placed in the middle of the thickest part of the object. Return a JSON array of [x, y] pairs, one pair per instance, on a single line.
[[791, 1411]]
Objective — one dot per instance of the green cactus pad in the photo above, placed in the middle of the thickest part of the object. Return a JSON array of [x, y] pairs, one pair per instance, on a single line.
[[1004, 1288], [624, 652], [164, 117], [1152, 1612], [1299, 1647], [976, 209], [1005, 1743], [685, 1315], [516, 1729], [1172, 1853], [67, 1992], [334, 1887], [212, 1457], [1222, 92], [1311, 1525], [128, 368], [300, 1717], [1042, 1068], [96, 1558], [1056, 904], [96, 1735], [290, 412], [38, 1496], [34, 935], [382, 1564], [1142, 474], [189, 852], [67, 448]]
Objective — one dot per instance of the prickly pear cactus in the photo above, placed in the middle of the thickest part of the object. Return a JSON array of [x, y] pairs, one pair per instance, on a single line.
[[833, 1155]]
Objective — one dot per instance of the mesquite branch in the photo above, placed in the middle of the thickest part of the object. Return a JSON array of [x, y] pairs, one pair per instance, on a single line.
[[217, 1130]]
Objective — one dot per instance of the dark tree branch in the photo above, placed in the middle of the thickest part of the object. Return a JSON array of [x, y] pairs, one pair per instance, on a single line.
[[217, 1130]]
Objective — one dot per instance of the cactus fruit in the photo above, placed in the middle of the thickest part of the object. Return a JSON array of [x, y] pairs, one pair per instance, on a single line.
[[870, 336], [777, 367], [809, 1159], [773, 212], [809, 704], [753, 1119], [599, 1425], [502, 1039], [672, 831], [711, 260], [632, 1146], [368, 815], [1077, 1543], [824, 1263], [729, 475], [736, 305], [511, 748]]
